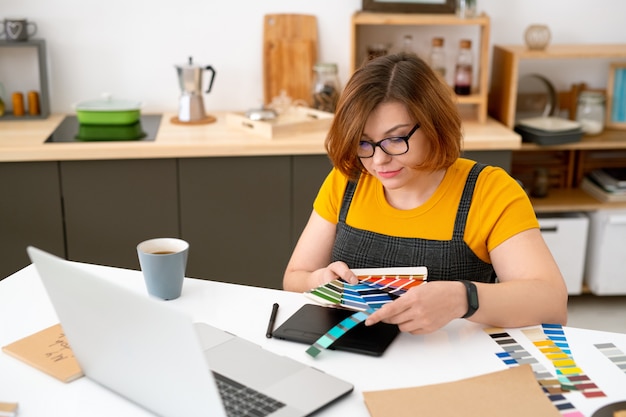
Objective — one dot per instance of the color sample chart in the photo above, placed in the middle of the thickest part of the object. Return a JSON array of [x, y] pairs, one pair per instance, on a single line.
[[514, 354], [614, 354], [551, 341], [371, 293]]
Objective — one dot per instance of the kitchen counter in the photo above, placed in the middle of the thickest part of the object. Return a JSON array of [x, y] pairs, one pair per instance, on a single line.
[[23, 140], [93, 201]]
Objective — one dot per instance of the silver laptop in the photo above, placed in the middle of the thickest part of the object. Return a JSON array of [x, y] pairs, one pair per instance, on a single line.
[[153, 355]]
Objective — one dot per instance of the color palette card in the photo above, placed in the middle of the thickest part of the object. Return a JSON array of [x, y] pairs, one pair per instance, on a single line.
[[376, 287]]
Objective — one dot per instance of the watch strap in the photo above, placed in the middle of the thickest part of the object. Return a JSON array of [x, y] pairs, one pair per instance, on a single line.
[[472, 298]]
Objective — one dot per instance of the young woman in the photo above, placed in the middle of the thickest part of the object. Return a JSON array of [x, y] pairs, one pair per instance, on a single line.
[[400, 195]]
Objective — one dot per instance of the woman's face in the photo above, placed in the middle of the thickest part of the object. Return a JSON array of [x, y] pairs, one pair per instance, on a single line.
[[393, 120]]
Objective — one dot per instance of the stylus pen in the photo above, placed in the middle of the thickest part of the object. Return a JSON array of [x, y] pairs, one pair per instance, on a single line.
[[270, 325]]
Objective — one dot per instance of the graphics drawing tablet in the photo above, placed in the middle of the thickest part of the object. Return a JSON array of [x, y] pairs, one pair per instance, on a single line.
[[312, 321]]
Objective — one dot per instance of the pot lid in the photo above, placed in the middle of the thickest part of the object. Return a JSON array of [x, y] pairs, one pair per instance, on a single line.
[[189, 64], [108, 104]]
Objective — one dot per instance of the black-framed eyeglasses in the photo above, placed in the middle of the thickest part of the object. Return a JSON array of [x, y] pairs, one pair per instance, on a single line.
[[391, 146]]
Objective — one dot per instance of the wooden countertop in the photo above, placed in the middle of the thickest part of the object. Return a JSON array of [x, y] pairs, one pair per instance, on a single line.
[[23, 140]]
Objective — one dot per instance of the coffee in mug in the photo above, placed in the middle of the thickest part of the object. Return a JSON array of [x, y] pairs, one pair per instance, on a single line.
[[163, 262], [17, 30]]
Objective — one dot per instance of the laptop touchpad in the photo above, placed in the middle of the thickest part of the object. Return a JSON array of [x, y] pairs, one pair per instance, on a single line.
[[211, 336], [249, 363]]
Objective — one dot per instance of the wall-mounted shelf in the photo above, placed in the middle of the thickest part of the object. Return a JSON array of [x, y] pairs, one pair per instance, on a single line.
[[477, 101], [44, 98]]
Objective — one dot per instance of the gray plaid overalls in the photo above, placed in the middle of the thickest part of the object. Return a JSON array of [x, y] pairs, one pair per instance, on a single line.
[[445, 259]]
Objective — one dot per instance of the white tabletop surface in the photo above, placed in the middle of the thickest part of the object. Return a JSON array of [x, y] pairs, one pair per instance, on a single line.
[[460, 350]]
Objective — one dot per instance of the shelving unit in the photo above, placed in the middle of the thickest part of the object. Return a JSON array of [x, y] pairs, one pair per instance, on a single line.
[[477, 101], [505, 70], [44, 98], [566, 164]]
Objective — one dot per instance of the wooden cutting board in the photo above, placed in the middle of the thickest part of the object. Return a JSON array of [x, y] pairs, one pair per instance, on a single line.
[[289, 54]]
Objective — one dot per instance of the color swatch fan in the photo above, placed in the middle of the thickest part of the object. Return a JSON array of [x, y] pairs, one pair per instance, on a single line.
[[376, 287]]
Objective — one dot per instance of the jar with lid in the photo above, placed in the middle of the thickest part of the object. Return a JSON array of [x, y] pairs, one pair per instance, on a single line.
[[590, 112], [407, 44], [437, 57], [326, 87], [463, 71], [466, 9]]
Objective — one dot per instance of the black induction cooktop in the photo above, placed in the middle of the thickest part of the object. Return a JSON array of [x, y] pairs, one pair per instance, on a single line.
[[69, 130]]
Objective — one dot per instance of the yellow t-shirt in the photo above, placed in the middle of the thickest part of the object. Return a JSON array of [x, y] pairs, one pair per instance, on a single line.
[[500, 208]]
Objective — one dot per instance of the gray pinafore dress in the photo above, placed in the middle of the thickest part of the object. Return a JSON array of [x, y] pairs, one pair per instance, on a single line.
[[445, 259]]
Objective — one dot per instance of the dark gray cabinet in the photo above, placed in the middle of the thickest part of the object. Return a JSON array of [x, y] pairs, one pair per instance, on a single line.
[[110, 206], [501, 159], [309, 171], [30, 212], [235, 214], [241, 215]]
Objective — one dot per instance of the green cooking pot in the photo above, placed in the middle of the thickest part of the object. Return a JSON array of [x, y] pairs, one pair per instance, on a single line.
[[108, 111], [110, 132]]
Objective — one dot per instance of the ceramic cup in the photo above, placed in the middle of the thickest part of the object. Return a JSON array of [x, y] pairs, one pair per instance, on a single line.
[[17, 30], [163, 262]]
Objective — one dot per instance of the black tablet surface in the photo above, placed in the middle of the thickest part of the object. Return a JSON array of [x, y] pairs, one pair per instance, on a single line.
[[312, 321]]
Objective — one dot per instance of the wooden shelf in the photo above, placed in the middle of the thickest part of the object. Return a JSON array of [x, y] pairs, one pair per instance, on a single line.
[[609, 139], [477, 101], [374, 18], [566, 51], [572, 199]]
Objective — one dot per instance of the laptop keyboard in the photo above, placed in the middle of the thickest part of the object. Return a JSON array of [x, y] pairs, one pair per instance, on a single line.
[[240, 400]]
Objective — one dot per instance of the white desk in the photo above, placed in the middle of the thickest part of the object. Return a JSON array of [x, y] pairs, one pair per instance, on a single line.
[[460, 350]]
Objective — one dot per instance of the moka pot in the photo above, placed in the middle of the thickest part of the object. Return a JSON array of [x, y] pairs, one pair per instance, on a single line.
[[191, 105]]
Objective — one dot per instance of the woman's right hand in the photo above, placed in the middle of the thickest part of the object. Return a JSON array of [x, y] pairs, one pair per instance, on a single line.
[[333, 271]]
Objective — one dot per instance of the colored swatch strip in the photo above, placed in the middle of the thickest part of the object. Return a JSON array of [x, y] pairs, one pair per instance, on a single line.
[[551, 341], [614, 354], [336, 332], [370, 294], [514, 354]]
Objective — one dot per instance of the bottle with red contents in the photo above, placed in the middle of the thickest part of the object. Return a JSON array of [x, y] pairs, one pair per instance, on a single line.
[[464, 69]]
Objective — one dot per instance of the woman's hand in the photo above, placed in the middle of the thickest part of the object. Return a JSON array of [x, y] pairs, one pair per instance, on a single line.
[[333, 271], [425, 308]]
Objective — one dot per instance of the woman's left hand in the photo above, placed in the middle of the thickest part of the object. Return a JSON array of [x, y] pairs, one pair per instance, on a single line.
[[425, 308]]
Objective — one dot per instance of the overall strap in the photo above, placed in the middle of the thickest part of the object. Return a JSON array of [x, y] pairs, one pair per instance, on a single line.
[[466, 201], [347, 199]]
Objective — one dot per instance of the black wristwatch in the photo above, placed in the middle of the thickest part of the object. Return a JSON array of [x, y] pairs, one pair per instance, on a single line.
[[472, 298]]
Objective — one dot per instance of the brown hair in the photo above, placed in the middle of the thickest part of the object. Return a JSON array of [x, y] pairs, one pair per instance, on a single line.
[[403, 78]]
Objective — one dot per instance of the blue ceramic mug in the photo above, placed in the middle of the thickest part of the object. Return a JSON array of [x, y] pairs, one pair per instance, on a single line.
[[163, 262]]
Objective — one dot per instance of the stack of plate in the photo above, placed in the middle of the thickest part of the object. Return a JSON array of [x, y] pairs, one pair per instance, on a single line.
[[549, 130]]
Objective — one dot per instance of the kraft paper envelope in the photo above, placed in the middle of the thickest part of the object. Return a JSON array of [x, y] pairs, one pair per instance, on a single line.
[[513, 393]]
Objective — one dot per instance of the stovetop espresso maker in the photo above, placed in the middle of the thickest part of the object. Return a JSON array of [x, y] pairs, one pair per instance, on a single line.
[[191, 106]]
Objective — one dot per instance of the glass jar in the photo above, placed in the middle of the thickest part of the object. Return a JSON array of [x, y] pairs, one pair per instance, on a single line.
[[437, 57], [326, 87], [463, 72], [466, 9], [590, 112], [407, 44]]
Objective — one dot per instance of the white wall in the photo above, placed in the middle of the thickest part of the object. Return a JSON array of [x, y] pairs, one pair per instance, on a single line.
[[129, 47]]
